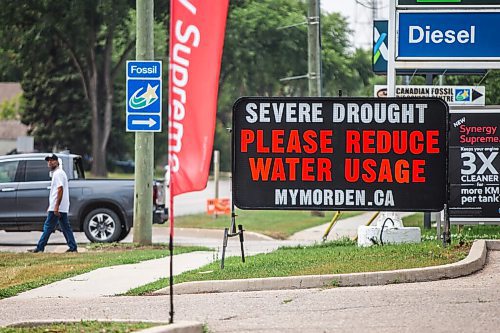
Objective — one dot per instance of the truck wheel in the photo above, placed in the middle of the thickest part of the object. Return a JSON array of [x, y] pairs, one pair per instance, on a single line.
[[123, 234], [102, 225]]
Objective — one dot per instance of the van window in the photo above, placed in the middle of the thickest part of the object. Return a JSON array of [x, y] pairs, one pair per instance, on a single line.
[[37, 171], [8, 171]]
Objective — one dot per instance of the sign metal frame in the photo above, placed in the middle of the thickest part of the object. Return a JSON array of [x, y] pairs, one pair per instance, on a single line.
[[269, 170]]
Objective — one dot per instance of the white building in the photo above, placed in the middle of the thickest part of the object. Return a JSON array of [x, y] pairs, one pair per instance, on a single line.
[[10, 130]]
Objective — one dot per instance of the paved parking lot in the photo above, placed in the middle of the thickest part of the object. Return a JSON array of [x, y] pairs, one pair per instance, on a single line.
[[468, 304]]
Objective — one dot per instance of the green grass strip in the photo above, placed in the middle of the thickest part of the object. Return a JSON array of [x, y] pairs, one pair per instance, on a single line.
[[330, 258], [80, 327], [458, 233]]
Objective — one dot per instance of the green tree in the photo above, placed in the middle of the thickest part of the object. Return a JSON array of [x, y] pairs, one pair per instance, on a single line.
[[8, 71], [53, 95], [265, 42], [96, 36], [9, 109], [258, 51]]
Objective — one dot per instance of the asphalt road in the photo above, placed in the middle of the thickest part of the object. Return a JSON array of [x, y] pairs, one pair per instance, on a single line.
[[196, 202], [468, 304], [185, 204]]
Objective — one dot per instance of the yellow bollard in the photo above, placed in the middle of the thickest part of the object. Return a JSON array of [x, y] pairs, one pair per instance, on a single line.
[[335, 218]]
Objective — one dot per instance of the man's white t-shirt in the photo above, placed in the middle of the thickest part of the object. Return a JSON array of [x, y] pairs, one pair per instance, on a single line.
[[59, 179]]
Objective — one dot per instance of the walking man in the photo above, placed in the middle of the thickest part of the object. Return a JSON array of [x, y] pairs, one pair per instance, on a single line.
[[58, 207]]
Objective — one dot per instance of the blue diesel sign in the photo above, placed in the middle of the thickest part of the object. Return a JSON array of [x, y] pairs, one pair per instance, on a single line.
[[451, 35]]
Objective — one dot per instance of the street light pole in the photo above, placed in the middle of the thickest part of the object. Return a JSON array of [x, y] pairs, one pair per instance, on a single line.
[[144, 141]]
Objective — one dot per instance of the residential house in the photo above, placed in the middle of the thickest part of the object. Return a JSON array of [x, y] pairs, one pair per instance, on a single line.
[[10, 130]]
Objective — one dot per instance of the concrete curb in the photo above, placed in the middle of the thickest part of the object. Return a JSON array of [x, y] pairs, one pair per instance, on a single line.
[[493, 245], [178, 327], [474, 261]]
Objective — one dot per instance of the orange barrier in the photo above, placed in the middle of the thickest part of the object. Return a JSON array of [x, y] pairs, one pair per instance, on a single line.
[[218, 206]]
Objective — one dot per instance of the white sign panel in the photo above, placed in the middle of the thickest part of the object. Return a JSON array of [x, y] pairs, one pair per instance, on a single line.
[[453, 95]]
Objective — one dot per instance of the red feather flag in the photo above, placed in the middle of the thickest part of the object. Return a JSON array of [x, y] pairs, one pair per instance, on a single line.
[[196, 41], [197, 29]]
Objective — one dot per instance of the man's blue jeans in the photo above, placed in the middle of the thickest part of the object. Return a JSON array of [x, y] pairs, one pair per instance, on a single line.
[[50, 225]]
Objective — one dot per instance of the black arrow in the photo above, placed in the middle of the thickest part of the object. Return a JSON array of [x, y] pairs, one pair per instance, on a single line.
[[476, 94]]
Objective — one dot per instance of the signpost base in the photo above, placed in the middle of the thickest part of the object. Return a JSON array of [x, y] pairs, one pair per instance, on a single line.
[[233, 233], [446, 230]]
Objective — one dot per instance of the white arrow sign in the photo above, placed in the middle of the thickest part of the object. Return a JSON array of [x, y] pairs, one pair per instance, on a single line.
[[150, 122], [453, 95]]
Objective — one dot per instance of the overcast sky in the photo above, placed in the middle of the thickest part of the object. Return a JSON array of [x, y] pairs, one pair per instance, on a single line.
[[360, 17]]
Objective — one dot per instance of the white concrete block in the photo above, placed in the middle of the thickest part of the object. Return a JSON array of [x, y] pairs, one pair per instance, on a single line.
[[368, 235]]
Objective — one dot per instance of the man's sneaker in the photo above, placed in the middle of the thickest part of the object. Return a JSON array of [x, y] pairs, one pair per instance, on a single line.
[[34, 250], [70, 250]]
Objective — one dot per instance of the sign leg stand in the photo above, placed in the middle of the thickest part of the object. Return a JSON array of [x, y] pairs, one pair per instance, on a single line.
[[233, 221], [232, 233], [334, 220], [446, 231], [240, 232], [427, 220], [224, 245], [438, 226]]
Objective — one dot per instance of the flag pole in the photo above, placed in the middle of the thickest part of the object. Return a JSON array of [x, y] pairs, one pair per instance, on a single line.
[[171, 249], [171, 182]]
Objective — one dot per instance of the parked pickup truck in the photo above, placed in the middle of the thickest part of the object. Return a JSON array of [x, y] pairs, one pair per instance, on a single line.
[[101, 208]]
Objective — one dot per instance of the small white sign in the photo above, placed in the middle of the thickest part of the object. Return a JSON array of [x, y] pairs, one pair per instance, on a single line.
[[25, 144], [453, 95]]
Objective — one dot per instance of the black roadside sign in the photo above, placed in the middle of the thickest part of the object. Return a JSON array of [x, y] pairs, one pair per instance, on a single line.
[[474, 165], [340, 153]]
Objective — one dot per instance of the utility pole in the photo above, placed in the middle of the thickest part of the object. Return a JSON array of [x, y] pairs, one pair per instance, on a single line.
[[314, 57], [314, 48], [374, 10], [144, 141]]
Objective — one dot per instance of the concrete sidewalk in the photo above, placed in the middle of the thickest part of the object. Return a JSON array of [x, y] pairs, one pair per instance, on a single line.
[[115, 280], [13, 242]]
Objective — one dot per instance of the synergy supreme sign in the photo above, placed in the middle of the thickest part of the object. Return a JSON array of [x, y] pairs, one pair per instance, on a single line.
[[339, 153], [475, 165]]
